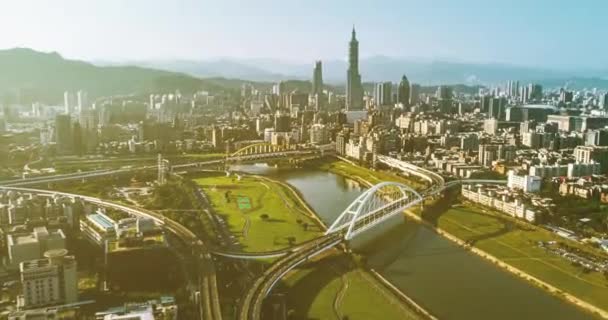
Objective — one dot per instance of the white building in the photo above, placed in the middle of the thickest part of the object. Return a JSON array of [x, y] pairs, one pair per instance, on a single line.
[[49, 281], [526, 183], [490, 126], [515, 208], [318, 134], [355, 148], [83, 101]]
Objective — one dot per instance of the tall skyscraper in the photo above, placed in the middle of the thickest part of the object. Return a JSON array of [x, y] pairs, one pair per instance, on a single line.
[[383, 93], [404, 91], [317, 85], [414, 93], [317, 78], [63, 133], [354, 89]]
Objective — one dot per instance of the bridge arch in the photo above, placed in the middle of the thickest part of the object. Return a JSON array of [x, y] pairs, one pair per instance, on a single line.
[[373, 206], [261, 148]]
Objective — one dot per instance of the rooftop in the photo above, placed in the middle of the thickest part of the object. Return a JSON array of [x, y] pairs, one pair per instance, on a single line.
[[102, 220]]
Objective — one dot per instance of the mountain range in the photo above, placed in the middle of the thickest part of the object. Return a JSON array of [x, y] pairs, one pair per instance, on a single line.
[[27, 75], [381, 68]]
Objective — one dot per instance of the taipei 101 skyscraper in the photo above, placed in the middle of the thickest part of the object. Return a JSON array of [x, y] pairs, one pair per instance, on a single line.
[[354, 89]]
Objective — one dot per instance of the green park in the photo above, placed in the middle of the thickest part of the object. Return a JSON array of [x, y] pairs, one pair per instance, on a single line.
[[263, 214]]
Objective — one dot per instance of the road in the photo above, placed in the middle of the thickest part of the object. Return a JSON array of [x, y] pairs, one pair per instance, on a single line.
[[251, 305]]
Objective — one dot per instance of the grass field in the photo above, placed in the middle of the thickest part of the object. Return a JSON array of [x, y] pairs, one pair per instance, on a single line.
[[267, 219], [372, 176], [333, 288], [516, 244]]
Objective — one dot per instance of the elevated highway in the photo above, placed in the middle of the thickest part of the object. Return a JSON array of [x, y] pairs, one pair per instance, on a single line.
[[251, 306]]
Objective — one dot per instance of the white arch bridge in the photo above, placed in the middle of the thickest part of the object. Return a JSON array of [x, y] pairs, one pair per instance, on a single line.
[[374, 206]]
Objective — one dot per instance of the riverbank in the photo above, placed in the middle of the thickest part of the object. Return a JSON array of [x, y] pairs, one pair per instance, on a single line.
[[513, 270], [515, 248], [496, 260]]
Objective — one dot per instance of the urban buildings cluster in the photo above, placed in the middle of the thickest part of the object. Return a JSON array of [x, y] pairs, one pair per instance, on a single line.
[[37, 231]]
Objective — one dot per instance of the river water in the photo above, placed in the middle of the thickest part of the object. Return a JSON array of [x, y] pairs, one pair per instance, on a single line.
[[447, 280]]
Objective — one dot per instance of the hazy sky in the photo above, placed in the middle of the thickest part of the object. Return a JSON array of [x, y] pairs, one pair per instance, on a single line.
[[526, 32]]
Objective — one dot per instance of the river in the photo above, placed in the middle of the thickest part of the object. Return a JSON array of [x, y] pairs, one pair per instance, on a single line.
[[449, 281]]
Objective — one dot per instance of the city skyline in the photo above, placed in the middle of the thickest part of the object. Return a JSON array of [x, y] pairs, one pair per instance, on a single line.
[[469, 31]]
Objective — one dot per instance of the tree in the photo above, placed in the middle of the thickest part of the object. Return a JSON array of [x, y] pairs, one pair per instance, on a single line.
[[305, 225], [265, 216], [291, 240]]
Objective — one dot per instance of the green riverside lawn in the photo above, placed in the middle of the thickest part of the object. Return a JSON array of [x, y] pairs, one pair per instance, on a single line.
[[268, 215], [348, 170], [333, 288], [516, 244]]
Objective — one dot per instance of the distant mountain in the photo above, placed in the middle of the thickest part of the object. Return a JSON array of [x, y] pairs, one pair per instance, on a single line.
[[27, 75], [380, 68], [224, 68]]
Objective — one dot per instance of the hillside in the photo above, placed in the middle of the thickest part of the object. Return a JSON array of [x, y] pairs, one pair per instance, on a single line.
[[28, 75]]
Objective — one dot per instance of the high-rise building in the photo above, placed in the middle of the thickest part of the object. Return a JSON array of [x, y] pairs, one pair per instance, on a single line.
[[49, 281], [69, 102], [317, 85], [282, 122], [383, 93], [414, 93], [444, 94], [403, 92], [341, 141], [317, 79], [496, 109], [354, 89], [535, 92], [604, 101], [318, 134], [83, 101], [566, 96], [63, 133]]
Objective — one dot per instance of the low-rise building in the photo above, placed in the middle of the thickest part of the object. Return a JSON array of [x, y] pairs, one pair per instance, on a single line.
[[515, 208], [99, 228]]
